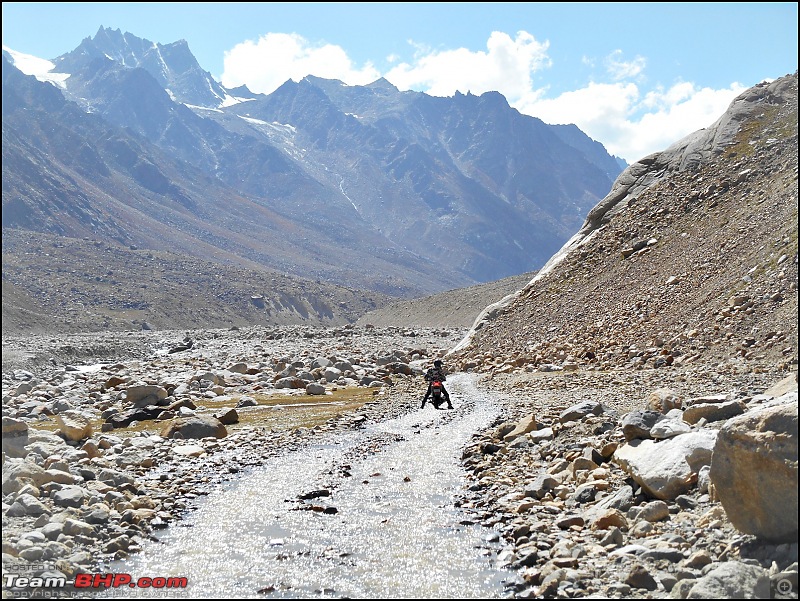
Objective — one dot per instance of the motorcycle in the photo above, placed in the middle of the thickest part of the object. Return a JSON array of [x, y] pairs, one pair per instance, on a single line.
[[436, 394], [437, 397]]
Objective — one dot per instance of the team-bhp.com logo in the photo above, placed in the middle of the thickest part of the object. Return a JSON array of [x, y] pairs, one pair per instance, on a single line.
[[93, 581]]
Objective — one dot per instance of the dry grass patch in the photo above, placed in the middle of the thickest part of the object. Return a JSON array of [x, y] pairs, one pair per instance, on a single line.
[[274, 412]]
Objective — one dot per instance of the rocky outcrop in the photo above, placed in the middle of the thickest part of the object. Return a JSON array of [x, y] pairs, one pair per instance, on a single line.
[[668, 468]]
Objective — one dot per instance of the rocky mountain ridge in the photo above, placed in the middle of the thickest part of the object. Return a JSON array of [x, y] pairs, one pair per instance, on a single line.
[[70, 173]]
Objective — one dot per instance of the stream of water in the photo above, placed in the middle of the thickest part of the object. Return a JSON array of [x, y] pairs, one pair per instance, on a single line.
[[395, 532]]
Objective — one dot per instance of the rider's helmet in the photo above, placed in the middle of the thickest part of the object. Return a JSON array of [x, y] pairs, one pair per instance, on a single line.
[[437, 363]]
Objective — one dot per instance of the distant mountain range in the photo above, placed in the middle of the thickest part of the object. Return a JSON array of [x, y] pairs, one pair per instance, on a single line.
[[363, 186]]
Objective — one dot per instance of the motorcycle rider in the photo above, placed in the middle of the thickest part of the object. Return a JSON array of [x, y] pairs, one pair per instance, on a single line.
[[436, 373]]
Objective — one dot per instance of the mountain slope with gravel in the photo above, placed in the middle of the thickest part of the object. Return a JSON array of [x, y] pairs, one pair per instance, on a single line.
[[691, 258], [55, 284]]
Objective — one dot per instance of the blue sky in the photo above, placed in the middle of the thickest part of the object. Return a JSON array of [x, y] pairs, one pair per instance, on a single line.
[[634, 76]]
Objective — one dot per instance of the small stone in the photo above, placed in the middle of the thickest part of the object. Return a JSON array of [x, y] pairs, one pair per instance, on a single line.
[[639, 577]]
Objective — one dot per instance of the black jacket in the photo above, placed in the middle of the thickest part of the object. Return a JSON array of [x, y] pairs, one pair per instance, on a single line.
[[435, 373]]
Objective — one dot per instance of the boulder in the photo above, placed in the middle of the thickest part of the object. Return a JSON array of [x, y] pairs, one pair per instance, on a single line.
[[18, 472], [331, 374], [667, 468], [228, 417], [70, 496], [113, 477], [669, 428], [637, 424], [196, 426], [399, 367], [580, 410], [127, 417], [788, 384], [45, 444], [663, 400], [525, 425], [608, 518], [246, 401], [73, 426], [754, 472], [712, 412], [189, 450], [732, 580], [145, 394], [26, 504], [540, 486], [15, 437], [540, 435], [315, 389], [290, 382]]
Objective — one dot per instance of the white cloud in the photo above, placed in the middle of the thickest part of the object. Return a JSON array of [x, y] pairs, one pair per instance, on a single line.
[[506, 66], [630, 124], [620, 69], [275, 58]]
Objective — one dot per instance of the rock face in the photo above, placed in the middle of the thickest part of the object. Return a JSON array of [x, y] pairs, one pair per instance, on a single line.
[[754, 471]]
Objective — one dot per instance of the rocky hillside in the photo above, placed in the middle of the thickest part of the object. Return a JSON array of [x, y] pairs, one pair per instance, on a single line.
[[56, 284], [692, 257]]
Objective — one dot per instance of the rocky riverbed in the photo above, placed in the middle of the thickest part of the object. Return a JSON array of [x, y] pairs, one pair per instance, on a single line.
[[109, 439]]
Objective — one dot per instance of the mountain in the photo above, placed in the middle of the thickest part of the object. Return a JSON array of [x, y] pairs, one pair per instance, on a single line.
[[173, 66], [468, 180], [360, 186], [72, 173], [691, 258]]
